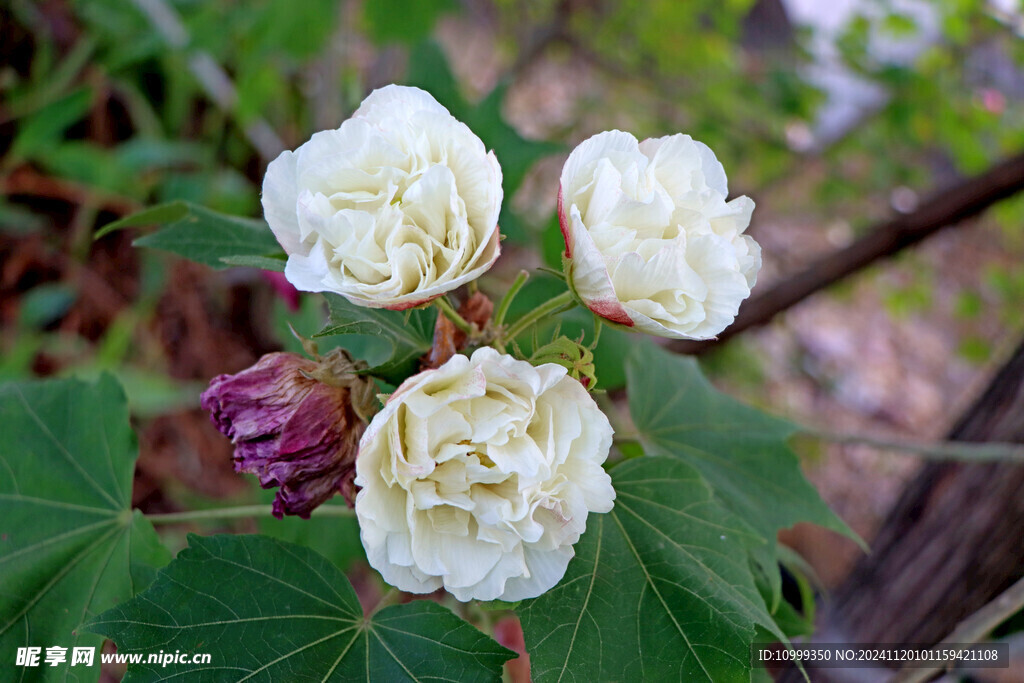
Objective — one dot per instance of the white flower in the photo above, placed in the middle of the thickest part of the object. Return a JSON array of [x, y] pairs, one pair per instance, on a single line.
[[651, 240], [478, 477], [394, 208]]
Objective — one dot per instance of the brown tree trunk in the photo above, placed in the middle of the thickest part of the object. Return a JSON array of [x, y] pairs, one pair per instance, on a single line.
[[953, 541]]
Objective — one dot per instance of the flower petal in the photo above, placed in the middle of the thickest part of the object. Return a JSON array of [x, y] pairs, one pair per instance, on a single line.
[[479, 475], [650, 240]]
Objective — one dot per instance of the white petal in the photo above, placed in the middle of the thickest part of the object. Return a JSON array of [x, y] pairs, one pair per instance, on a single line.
[[590, 274], [492, 514], [611, 144], [546, 570], [280, 201], [308, 273], [402, 198], [398, 101], [651, 240]]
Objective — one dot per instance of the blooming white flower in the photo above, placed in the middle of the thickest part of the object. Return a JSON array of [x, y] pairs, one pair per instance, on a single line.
[[651, 241], [394, 208], [478, 476]]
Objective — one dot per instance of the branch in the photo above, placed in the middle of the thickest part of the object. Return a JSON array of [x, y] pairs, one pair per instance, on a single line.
[[958, 203], [984, 451], [971, 630]]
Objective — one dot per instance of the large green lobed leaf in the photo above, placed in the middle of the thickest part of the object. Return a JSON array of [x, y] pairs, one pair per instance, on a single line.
[[739, 450], [266, 610], [660, 588], [70, 546]]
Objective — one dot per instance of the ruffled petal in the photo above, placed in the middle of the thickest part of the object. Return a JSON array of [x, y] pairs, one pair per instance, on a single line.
[[472, 480]]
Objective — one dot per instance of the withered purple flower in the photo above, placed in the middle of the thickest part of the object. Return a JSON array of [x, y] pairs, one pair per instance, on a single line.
[[296, 424]]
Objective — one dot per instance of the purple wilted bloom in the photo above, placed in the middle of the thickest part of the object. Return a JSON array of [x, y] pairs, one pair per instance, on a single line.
[[295, 423]]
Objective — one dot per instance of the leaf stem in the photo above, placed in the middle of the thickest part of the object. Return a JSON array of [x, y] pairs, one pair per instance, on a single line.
[[240, 512], [942, 450], [506, 301], [560, 303], [449, 311]]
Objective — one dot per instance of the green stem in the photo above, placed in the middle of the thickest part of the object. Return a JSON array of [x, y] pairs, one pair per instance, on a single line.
[[598, 326], [943, 450], [240, 512], [561, 302], [449, 311], [506, 301]]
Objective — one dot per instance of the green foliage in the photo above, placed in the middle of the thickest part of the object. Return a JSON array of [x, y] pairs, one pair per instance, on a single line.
[[657, 590], [45, 304], [409, 334], [974, 349], [741, 452], [70, 546], [205, 236], [45, 130], [281, 612], [913, 298], [398, 20]]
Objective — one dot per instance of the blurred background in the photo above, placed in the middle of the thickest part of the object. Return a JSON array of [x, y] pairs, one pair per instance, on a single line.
[[849, 122]]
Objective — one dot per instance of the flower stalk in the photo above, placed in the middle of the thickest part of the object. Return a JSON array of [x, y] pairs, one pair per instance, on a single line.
[[506, 301], [449, 312], [559, 304], [239, 512]]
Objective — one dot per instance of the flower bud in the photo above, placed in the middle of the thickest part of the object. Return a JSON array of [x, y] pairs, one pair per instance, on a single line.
[[571, 355], [295, 423]]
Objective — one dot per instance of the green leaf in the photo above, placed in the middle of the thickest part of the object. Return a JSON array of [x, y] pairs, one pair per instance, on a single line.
[[410, 334], [45, 129], [399, 20], [274, 263], [516, 154], [170, 212], [70, 546], [206, 237], [660, 588], [740, 451], [429, 69], [202, 235], [267, 610], [46, 304]]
